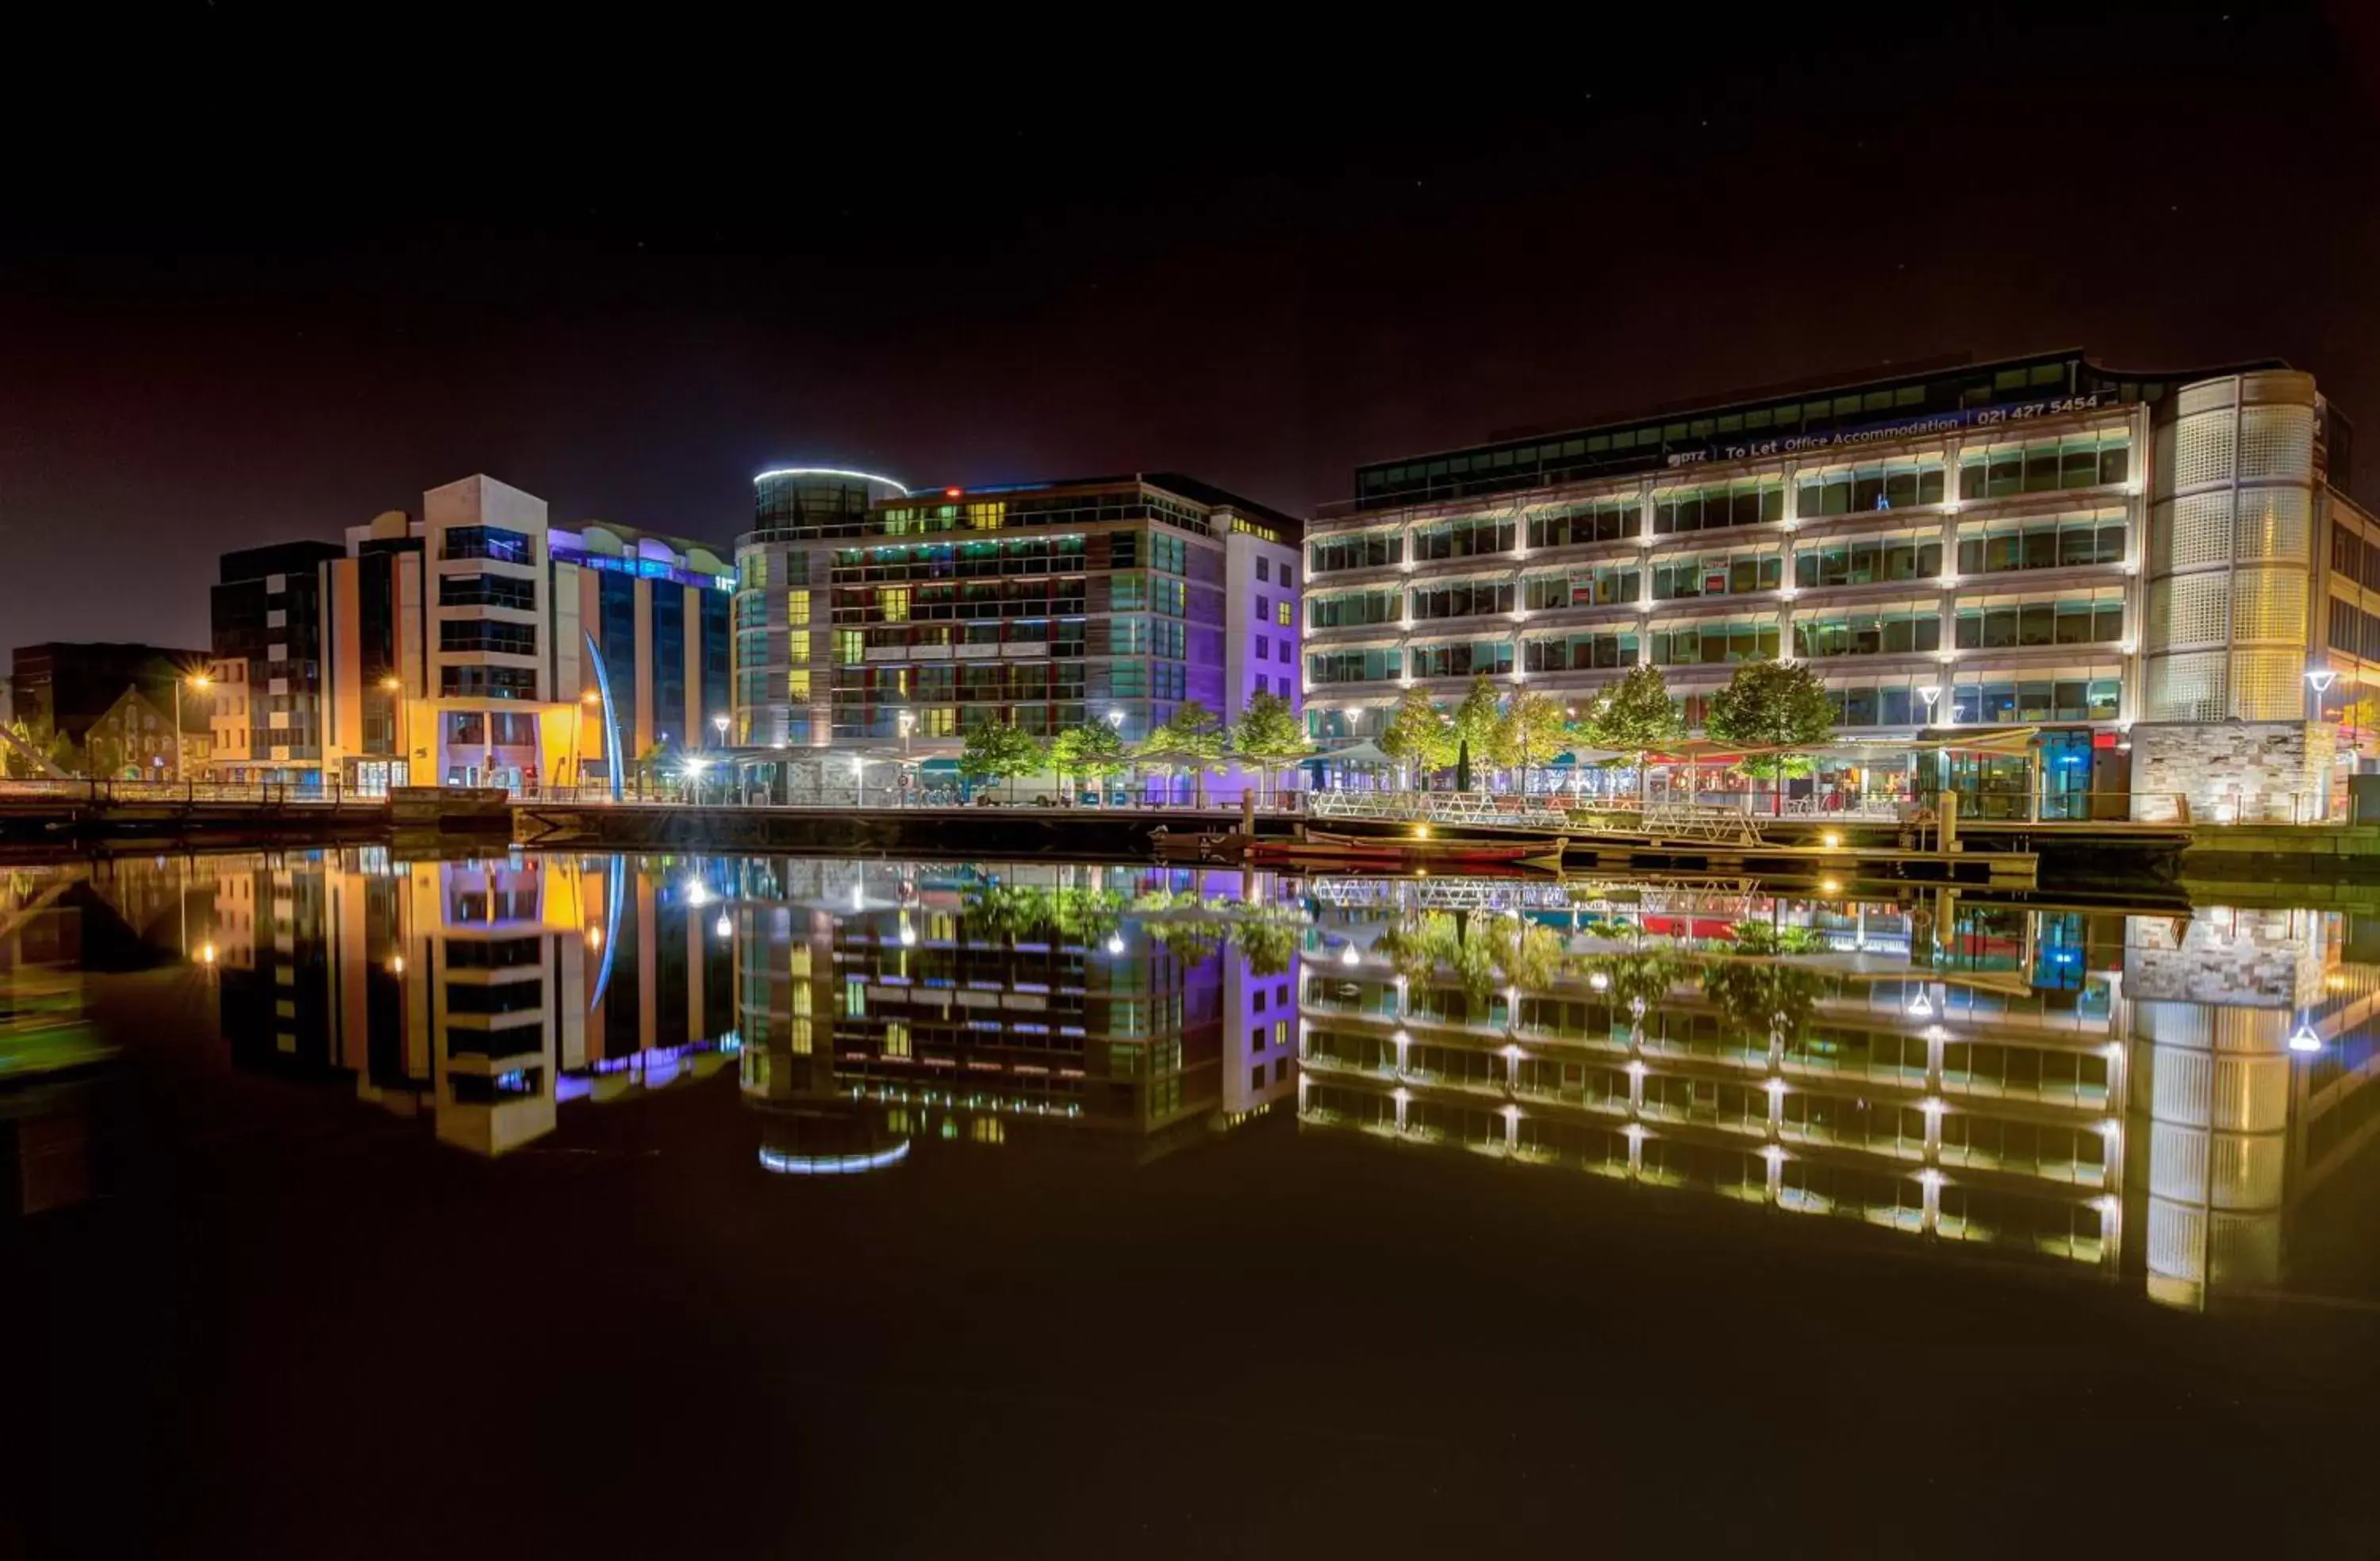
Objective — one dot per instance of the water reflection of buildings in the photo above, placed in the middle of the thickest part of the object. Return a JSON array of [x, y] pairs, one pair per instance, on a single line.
[[885, 1005], [2048, 1081], [482, 992]]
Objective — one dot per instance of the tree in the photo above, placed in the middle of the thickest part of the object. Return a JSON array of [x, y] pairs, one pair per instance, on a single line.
[[1418, 733], [997, 751], [1269, 732], [1477, 718], [1091, 752], [1191, 740], [1775, 704], [1635, 717], [1533, 730]]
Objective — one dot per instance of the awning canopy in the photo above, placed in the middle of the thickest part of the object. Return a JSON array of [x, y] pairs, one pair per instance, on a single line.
[[1360, 754]]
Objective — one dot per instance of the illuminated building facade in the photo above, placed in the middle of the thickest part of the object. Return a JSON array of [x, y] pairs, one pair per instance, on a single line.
[[475, 645], [868, 615], [2129, 561]]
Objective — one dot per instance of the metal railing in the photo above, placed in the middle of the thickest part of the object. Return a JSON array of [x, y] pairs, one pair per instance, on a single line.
[[1461, 808], [166, 793]]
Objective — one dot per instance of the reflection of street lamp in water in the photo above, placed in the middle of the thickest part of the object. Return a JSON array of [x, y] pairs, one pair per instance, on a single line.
[[196, 680]]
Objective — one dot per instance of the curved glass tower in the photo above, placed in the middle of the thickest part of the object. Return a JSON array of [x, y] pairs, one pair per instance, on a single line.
[[781, 607]]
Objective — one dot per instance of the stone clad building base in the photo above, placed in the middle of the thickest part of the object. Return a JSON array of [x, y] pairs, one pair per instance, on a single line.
[[2273, 772]]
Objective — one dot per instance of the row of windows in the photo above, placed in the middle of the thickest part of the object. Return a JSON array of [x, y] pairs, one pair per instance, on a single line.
[[1464, 599], [479, 727], [1603, 520], [1890, 632], [2047, 544], [1886, 485], [1465, 538], [490, 683], [975, 599], [473, 635], [486, 590], [1866, 560], [1748, 503], [2354, 557], [1582, 651], [487, 541], [1355, 609], [1702, 643], [1686, 575], [2082, 460], [1352, 666], [2094, 620], [1601, 585], [1369, 550], [991, 680], [2354, 631], [1492, 656]]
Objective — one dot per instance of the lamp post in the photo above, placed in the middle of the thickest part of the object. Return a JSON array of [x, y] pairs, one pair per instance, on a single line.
[[1115, 724], [2319, 679], [196, 680]]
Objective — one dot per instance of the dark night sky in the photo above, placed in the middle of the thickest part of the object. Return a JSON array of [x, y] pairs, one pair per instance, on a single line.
[[286, 282]]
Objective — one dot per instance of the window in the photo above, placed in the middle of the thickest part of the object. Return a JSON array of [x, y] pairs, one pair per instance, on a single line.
[[486, 590], [1264, 611], [492, 683], [1493, 657], [1692, 644], [2090, 618], [487, 541], [1868, 632], [1678, 575], [1599, 584], [797, 610], [1747, 503], [472, 635], [1882, 485], [2082, 460], [1264, 569], [2064, 542], [1371, 549], [1462, 598], [1354, 609], [1585, 650], [1603, 520], [1861, 561], [1475, 537], [1264, 649], [1348, 666]]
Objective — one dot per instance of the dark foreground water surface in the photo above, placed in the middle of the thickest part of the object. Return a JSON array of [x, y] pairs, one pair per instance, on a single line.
[[594, 1205]]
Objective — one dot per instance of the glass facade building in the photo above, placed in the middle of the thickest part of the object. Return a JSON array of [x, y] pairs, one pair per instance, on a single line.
[[867, 614], [2037, 542]]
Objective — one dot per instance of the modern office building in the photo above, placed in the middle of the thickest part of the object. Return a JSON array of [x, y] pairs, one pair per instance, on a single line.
[[2144, 565], [475, 645], [266, 621], [867, 614], [63, 686]]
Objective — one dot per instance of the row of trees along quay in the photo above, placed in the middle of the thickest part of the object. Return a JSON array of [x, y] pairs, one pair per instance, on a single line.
[[1775, 706], [1268, 738]]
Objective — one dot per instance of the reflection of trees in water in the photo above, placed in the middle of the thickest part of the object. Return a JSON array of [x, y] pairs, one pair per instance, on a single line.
[[1760, 938], [1032, 911], [1763, 999], [1484, 954], [1190, 928]]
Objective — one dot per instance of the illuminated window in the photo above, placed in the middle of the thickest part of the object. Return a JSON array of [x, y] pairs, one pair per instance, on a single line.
[[1283, 614], [988, 1129], [850, 646], [896, 1038], [754, 569], [895, 602], [797, 609], [797, 686], [797, 648]]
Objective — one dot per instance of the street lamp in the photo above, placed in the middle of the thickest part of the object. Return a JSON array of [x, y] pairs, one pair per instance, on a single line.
[[718, 724], [577, 740], [196, 680], [394, 687]]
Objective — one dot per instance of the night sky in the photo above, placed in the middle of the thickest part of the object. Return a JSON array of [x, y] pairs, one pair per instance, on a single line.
[[270, 284]]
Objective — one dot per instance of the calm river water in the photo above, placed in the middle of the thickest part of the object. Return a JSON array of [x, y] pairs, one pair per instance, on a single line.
[[593, 1204]]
